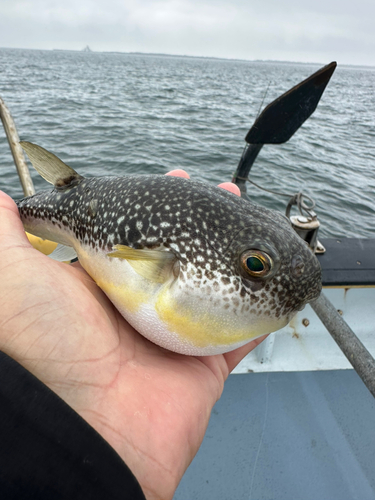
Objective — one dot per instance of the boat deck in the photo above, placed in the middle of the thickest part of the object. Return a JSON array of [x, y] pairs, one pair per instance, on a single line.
[[286, 436], [348, 262]]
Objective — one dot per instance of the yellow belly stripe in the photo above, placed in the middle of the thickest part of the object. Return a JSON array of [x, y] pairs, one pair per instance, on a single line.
[[126, 293], [44, 246], [124, 298], [205, 329]]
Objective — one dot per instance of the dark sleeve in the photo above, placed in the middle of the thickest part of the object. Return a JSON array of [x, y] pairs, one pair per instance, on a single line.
[[47, 451]]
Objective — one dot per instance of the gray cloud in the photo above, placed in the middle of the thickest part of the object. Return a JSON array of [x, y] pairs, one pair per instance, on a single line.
[[299, 30]]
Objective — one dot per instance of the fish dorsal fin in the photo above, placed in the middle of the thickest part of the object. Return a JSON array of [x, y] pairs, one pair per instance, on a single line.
[[63, 253], [154, 265], [51, 168]]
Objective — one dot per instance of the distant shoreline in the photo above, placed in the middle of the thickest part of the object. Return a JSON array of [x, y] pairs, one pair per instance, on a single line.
[[183, 56]]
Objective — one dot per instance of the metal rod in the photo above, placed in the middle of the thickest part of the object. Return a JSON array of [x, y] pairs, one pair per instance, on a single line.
[[18, 156], [246, 162], [347, 340]]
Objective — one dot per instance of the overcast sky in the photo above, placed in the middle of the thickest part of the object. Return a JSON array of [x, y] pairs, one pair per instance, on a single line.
[[293, 30]]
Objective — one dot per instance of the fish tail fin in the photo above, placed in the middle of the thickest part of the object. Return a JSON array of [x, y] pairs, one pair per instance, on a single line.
[[51, 168]]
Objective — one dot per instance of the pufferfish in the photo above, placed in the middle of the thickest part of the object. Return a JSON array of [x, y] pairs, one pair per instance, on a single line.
[[194, 268]]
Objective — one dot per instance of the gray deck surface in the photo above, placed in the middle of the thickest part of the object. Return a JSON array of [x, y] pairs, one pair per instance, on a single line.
[[348, 262], [287, 436]]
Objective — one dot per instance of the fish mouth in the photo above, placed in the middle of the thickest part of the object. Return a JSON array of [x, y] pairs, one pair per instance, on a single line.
[[314, 293], [310, 298]]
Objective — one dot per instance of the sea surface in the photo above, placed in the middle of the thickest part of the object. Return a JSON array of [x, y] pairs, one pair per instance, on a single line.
[[119, 114]]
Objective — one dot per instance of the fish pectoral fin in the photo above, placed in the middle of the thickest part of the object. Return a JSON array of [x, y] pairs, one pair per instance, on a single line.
[[63, 253], [51, 168], [154, 265]]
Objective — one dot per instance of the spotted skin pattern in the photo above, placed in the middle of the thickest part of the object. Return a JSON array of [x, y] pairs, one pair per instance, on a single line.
[[208, 304]]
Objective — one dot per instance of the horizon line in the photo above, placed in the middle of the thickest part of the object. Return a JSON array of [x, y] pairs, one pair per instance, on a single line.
[[87, 50]]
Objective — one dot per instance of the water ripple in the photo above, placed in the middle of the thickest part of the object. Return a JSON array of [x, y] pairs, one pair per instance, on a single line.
[[122, 114]]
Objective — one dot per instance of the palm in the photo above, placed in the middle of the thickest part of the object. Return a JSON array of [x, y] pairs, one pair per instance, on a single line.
[[151, 405]]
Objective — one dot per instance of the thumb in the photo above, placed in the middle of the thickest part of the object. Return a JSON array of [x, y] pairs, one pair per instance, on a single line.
[[12, 232]]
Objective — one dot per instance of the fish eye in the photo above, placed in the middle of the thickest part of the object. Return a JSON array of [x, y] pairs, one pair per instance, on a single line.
[[256, 263]]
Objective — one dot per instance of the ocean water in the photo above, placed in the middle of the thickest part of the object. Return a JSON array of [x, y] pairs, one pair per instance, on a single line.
[[119, 114]]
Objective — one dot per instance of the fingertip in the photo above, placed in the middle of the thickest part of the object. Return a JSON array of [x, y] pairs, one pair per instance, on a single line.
[[232, 188], [178, 172], [234, 357]]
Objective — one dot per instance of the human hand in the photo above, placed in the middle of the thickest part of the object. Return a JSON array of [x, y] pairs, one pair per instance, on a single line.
[[151, 405]]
